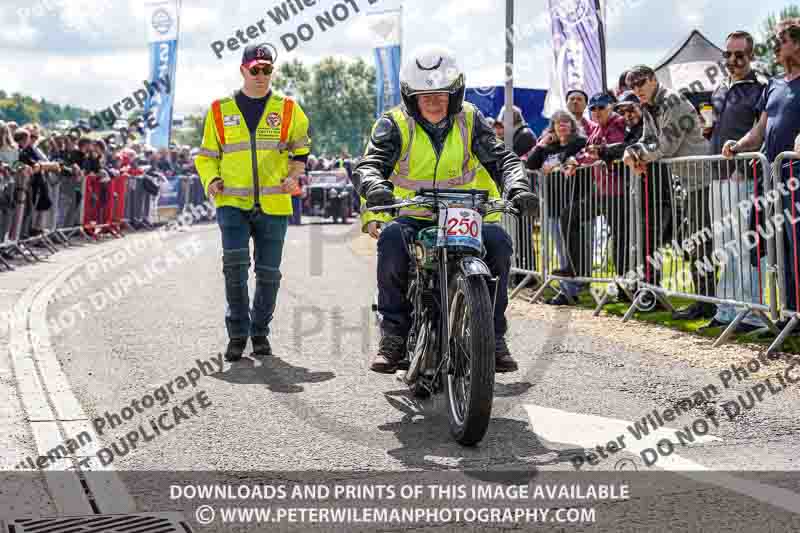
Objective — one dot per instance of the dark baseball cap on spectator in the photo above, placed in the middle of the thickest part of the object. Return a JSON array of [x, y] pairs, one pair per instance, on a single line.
[[586, 96], [256, 53], [600, 100], [627, 98]]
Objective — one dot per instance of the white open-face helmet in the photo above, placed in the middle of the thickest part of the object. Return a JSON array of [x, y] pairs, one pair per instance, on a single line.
[[432, 69]]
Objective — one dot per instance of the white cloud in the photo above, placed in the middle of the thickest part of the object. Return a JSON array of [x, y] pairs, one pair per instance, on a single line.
[[106, 57], [456, 9]]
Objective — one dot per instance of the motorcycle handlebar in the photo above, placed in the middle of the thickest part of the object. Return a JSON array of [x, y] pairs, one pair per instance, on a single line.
[[459, 192], [493, 206]]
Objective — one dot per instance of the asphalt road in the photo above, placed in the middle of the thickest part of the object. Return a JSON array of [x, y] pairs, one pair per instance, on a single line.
[[315, 409]]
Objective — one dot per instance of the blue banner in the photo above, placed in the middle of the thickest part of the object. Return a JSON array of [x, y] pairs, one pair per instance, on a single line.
[[490, 100], [159, 101], [387, 78], [162, 22]]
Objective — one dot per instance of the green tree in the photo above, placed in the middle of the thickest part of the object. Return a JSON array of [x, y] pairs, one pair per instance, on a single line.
[[23, 109], [338, 97], [294, 79], [764, 49], [191, 135]]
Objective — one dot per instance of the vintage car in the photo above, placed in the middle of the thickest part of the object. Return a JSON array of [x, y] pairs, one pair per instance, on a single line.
[[329, 194]]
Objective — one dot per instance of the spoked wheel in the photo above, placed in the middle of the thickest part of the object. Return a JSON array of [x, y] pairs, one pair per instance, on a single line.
[[470, 378], [418, 358]]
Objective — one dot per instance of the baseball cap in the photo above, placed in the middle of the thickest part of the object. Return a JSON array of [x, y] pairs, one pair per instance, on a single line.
[[627, 98], [600, 100], [256, 53]]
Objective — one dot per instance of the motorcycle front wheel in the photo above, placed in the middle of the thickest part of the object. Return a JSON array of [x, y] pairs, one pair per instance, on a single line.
[[470, 377]]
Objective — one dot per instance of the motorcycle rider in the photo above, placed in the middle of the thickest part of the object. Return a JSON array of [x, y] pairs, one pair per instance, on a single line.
[[434, 139]]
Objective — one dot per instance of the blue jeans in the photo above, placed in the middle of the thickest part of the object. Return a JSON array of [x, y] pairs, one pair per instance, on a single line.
[[738, 277], [393, 270], [268, 233]]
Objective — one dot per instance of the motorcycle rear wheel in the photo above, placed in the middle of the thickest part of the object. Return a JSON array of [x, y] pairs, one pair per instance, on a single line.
[[470, 379]]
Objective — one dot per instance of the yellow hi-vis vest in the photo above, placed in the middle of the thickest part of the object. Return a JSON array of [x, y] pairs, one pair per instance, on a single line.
[[456, 167], [245, 163]]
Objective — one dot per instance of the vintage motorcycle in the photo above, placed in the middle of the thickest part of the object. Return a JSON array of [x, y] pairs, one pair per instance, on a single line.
[[450, 345]]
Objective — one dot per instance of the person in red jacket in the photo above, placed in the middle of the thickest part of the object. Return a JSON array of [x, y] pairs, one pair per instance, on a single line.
[[612, 194]]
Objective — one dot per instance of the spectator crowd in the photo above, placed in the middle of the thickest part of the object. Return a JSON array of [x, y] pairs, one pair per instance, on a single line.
[[42, 175], [633, 128]]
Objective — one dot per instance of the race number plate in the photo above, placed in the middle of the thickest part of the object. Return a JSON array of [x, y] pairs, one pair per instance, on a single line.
[[461, 227]]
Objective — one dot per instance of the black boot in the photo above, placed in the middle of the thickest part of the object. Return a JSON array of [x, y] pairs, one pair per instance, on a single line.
[[235, 349], [503, 362], [261, 346], [390, 352], [695, 311]]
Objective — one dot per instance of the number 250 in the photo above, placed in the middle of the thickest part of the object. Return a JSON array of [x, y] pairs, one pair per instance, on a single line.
[[464, 226]]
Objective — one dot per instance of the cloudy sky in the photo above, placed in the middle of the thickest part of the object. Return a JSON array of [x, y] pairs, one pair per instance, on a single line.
[[93, 53]]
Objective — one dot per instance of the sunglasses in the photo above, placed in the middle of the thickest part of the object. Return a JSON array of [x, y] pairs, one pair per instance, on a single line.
[[639, 82], [737, 54], [626, 110], [266, 69]]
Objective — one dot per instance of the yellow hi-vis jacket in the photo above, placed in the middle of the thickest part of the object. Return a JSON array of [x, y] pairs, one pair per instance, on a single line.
[[248, 164], [455, 168]]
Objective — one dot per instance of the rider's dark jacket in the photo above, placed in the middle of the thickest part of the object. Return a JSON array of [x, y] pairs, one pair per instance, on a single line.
[[385, 146]]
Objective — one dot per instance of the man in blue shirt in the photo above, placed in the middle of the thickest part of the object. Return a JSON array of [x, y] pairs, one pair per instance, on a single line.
[[779, 126], [737, 107]]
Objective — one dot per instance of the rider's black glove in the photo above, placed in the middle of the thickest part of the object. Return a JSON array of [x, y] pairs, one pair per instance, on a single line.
[[526, 203], [379, 196]]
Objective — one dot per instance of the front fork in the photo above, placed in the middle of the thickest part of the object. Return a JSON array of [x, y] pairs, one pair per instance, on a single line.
[[444, 322], [469, 268]]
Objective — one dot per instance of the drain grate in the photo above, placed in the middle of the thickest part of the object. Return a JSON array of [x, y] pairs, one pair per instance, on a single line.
[[120, 523]]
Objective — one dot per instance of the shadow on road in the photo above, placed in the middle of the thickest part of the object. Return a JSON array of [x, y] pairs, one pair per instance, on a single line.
[[423, 430], [506, 390], [273, 371]]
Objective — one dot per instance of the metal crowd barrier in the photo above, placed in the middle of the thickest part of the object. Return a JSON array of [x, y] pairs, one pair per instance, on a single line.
[[98, 206], [693, 228], [192, 198], [783, 222], [525, 232], [694, 242], [18, 218], [586, 224], [138, 204], [85, 205]]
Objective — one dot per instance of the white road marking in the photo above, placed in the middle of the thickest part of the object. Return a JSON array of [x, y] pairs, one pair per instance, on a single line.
[[590, 431], [49, 400]]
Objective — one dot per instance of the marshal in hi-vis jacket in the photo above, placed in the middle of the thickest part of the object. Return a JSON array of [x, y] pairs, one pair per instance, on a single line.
[[252, 167]]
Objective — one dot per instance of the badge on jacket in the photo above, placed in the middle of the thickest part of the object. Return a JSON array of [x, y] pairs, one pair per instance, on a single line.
[[231, 120], [274, 120]]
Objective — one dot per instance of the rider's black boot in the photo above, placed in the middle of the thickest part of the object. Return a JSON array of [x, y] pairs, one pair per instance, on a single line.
[[390, 352], [503, 362]]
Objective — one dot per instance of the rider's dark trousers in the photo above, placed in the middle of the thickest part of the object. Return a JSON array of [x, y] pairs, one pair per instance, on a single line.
[[393, 273], [268, 233]]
